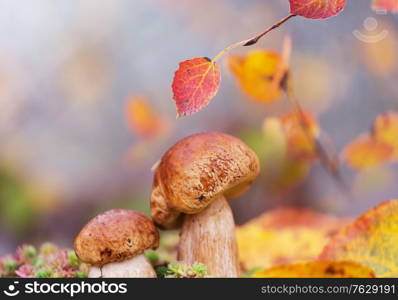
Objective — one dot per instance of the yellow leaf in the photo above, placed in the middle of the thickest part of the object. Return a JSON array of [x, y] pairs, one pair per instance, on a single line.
[[367, 152], [286, 235], [256, 73], [371, 240], [318, 269]]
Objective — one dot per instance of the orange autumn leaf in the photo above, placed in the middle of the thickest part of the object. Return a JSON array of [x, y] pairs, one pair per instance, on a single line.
[[256, 74], [301, 131], [195, 83], [385, 129], [389, 5], [143, 120], [316, 9], [371, 240], [318, 269], [367, 152], [286, 235]]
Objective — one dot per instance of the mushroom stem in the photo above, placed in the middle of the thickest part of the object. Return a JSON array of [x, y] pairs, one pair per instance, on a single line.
[[209, 238], [136, 267]]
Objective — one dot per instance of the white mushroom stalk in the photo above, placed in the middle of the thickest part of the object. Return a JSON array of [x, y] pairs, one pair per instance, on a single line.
[[136, 267], [209, 237]]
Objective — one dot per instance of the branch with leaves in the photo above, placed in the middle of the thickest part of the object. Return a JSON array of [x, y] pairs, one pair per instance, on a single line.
[[197, 80]]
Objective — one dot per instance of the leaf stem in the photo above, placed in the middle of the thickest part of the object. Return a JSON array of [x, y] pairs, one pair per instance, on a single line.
[[255, 39], [226, 50], [252, 40]]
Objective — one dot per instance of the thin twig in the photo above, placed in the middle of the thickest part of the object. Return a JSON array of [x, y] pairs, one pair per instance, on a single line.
[[331, 164], [255, 39], [252, 40]]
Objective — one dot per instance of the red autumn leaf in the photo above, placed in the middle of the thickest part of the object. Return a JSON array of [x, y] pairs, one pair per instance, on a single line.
[[316, 9], [389, 5], [195, 83]]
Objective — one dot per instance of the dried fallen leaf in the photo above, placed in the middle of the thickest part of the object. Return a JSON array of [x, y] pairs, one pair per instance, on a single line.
[[371, 240], [389, 5], [318, 269], [316, 9], [286, 235], [367, 152], [385, 129], [195, 83]]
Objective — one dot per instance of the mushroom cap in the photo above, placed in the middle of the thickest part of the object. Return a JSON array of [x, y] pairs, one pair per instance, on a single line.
[[115, 235], [198, 169]]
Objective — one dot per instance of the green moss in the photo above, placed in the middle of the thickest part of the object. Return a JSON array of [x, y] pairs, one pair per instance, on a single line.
[[43, 274], [181, 270], [73, 260], [50, 262], [81, 274], [10, 265], [153, 257], [30, 252]]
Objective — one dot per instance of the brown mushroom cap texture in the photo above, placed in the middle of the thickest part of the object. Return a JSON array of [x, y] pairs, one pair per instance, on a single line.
[[115, 235], [198, 169]]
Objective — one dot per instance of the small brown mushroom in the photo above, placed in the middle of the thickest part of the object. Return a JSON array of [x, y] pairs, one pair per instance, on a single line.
[[192, 184], [114, 242]]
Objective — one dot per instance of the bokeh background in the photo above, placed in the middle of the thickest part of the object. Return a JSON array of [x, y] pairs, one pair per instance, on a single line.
[[69, 68]]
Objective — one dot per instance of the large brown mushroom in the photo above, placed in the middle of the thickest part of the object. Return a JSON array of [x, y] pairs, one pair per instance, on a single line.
[[193, 181], [114, 242]]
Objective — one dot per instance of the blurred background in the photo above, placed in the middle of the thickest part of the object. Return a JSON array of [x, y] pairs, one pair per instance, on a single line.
[[68, 71]]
